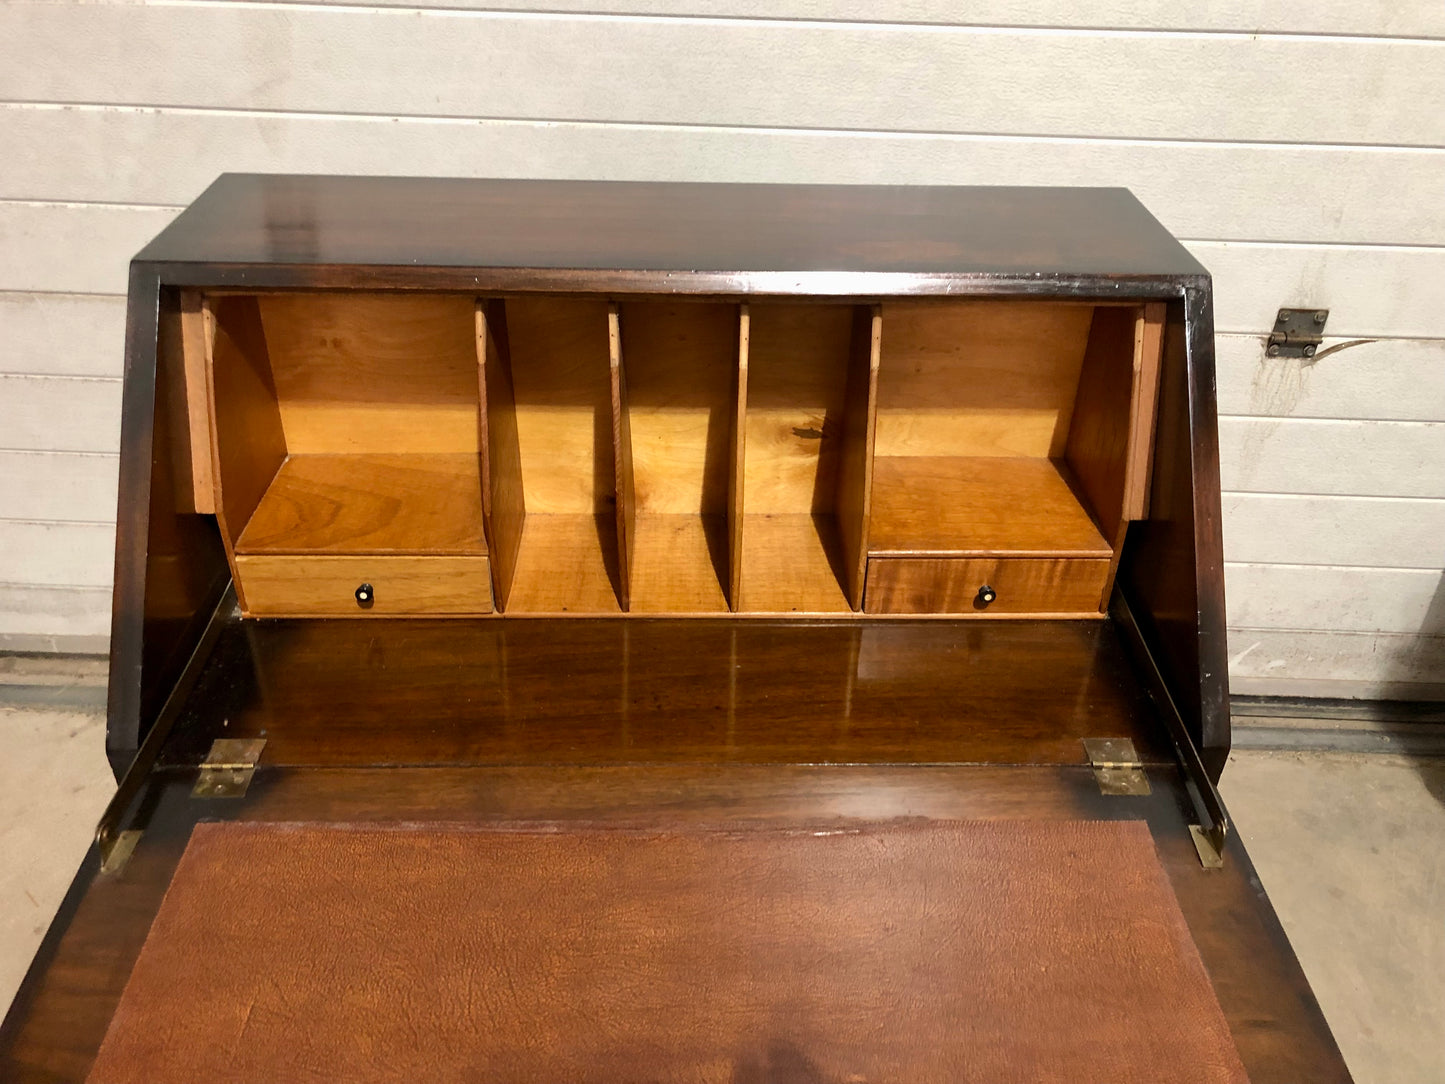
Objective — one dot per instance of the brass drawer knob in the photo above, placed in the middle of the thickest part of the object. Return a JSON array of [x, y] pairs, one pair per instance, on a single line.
[[986, 594], [365, 596]]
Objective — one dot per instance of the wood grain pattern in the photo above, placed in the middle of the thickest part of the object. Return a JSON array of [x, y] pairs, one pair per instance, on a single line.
[[291, 586], [248, 442], [185, 360], [680, 564], [622, 454], [504, 504], [792, 563], [983, 505], [359, 372], [1099, 440], [855, 460], [339, 504], [568, 563], [559, 367], [1143, 411], [680, 362], [976, 378], [1023, 586], [797, 390]]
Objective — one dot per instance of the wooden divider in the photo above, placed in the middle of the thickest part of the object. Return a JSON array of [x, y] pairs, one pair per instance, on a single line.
[[738, 439], [622, 458], [504, 507], [860, 422]]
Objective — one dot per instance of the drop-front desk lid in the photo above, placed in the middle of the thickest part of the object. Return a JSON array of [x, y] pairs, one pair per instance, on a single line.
[[601, 631]]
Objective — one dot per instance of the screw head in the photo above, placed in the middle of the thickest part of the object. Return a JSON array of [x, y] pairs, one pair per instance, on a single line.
[[1273, 351], [1309, 351], [1321, 316]]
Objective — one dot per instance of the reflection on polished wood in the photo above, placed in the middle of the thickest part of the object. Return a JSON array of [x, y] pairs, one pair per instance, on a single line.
[[559, 691]]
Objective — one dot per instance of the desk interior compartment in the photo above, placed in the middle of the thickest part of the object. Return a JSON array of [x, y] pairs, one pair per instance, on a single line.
[[347, 425], [1009, 431]]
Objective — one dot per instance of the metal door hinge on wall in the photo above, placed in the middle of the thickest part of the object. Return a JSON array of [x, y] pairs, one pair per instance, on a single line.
[[1297, 333]]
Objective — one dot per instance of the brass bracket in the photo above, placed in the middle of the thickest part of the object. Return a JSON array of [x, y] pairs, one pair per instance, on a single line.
[[1209, 845], [115, 853], [1117, 767], [226, 772]]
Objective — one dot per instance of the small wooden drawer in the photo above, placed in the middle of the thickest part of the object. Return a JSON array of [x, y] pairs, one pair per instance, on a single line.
[[959, 585], [325, 586]]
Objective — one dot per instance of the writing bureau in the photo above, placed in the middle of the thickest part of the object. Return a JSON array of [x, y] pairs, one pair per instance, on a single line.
[[633, 539]]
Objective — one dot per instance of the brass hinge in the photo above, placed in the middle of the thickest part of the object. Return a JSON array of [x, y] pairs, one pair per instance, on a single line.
[[226, 772], [115, 851], [1117, 768]]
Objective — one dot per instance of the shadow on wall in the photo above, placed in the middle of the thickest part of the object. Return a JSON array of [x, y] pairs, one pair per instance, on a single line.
[[1424, 661]]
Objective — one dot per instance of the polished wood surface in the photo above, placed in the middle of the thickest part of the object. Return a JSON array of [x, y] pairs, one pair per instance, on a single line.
[[902, 585], [326, 586], [737, 447], [374, 503], [979, 506], [672, 690], [708, 237]]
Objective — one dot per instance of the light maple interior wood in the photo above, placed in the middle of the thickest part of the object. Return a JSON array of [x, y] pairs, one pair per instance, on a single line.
[[680, 364], [372, 503], [567, 559], [344, 424], [797, 388], [659, 456], [1010, 428]]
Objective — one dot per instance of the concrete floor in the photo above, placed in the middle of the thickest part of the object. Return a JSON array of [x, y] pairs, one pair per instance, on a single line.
[[1351, 848]]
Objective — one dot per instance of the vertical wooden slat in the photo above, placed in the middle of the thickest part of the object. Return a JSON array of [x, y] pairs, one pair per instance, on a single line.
[[622, 457], [855, 473], [504, 508], [1148, 347], [736, 465], [248, 444]]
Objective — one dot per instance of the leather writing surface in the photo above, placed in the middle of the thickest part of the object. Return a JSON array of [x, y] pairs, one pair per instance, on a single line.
[[1040, 951]]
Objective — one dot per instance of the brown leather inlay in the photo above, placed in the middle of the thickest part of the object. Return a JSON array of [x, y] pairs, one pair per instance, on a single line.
[[1039, 951]]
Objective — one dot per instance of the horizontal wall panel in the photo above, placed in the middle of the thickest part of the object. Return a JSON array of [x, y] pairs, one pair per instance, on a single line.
[[757, 73], [1382, 532], [1369, 291], [62, 334], [1295, 655], [1331, 598], [29, 612], [69, 486], [1347, 458], [73, 248], [153, 156], [59, 413], [1398, 18], [57, 554], [1401, 379]]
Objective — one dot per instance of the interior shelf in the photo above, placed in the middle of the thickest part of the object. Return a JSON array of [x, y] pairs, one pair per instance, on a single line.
[[566, 564], [979, 506], [792, 563], [679, 563], [370, 504]]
